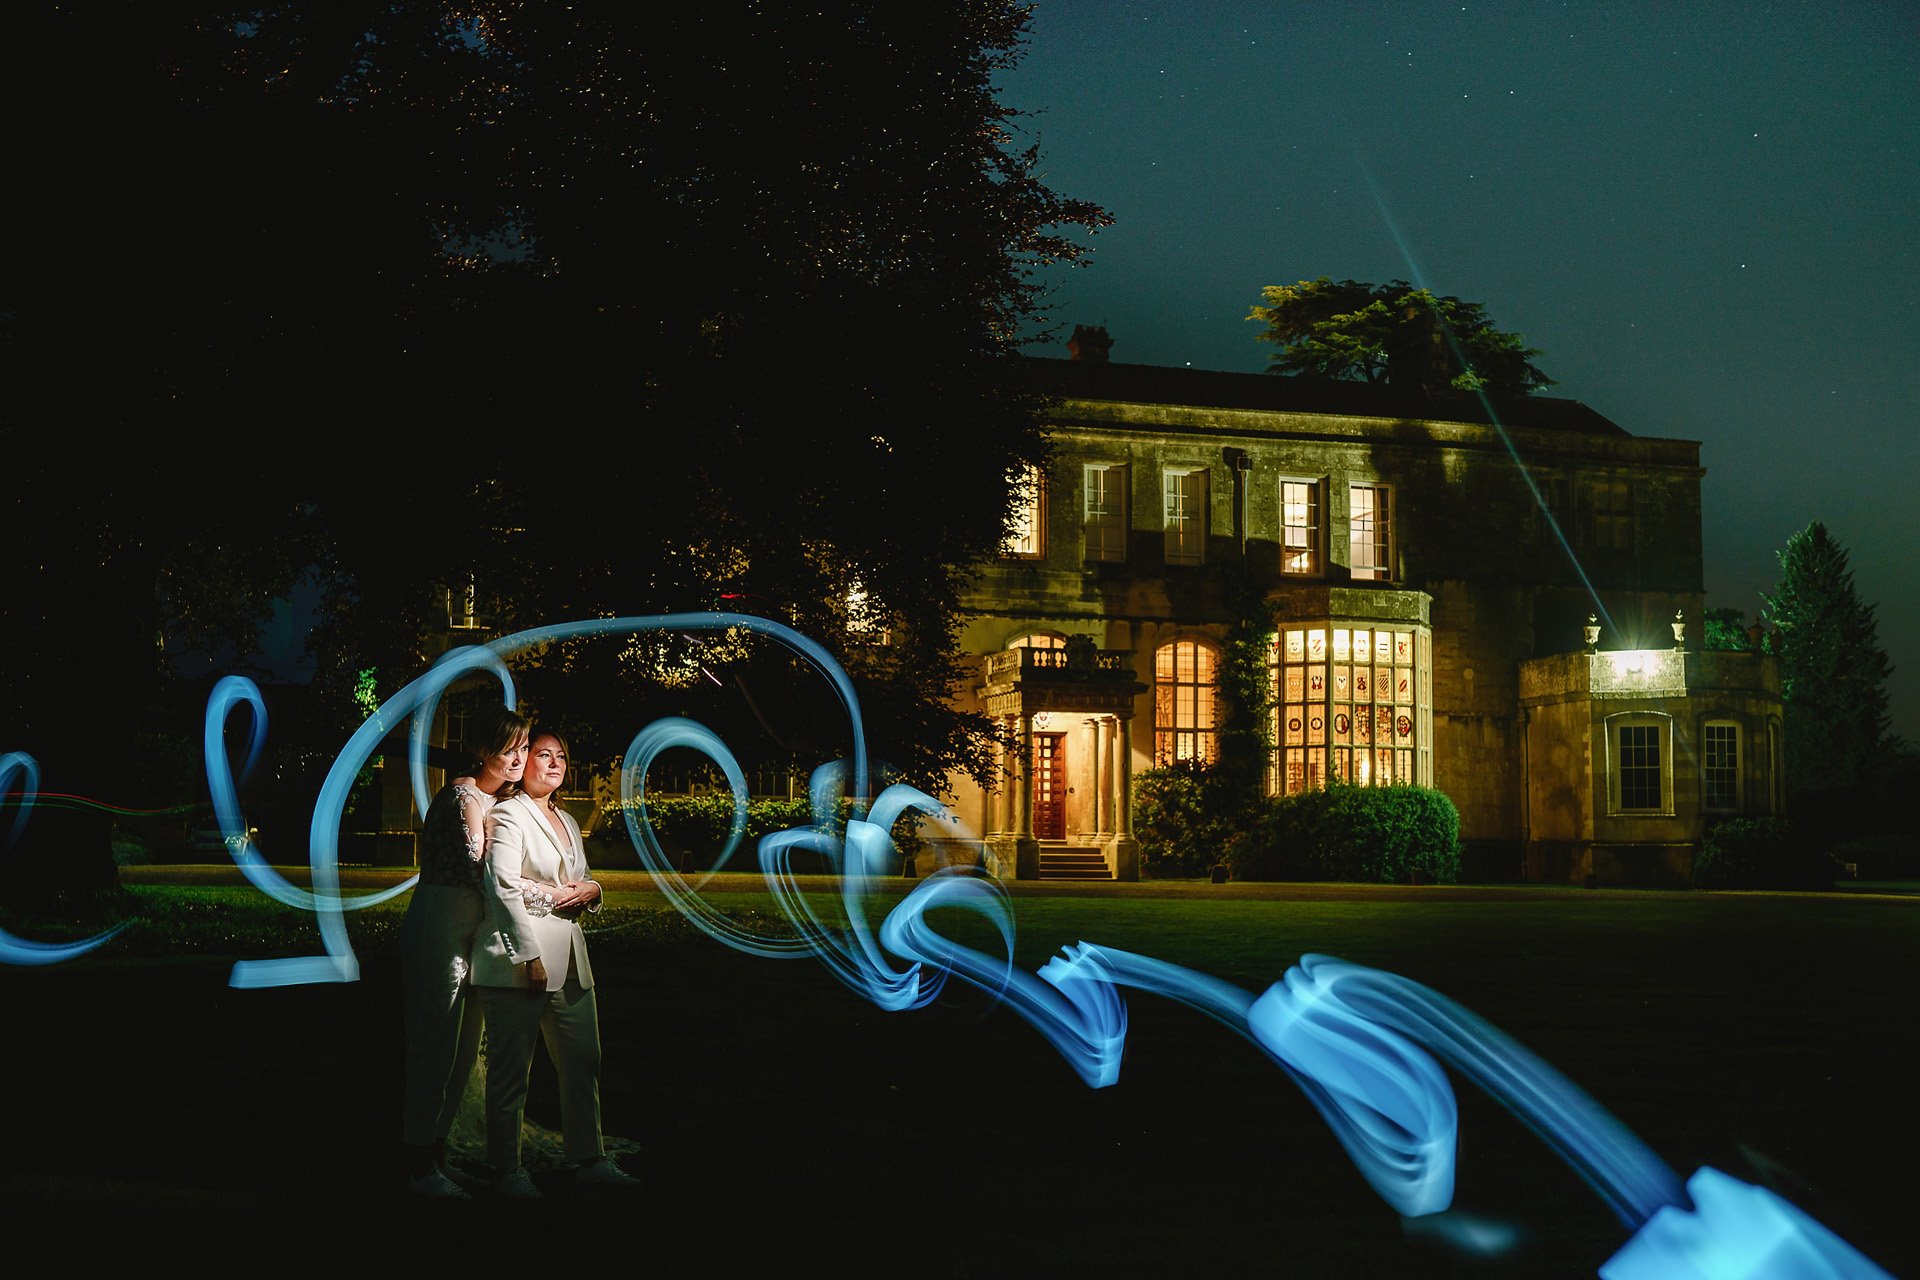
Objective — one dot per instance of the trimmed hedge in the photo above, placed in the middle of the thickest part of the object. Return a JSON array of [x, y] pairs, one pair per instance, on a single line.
[[1760, 853], [1379, 835], [692, 830]]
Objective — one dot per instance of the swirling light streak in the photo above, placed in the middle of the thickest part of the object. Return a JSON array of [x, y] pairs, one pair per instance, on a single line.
[[1076, 1008], [229, 693], [28, 768], [1735, 1231], [25, 951], [1355, 1039], [1633, 1181], [646, 745], [419, 700], [339, 964]]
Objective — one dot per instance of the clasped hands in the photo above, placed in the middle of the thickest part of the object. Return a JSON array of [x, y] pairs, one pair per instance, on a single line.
[[574, 897]]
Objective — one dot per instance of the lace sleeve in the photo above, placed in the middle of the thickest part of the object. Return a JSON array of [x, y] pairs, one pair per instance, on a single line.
[[474, 804]]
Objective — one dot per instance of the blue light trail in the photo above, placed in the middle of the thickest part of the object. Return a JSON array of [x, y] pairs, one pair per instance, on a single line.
[[1366, 1047], [26, 951]]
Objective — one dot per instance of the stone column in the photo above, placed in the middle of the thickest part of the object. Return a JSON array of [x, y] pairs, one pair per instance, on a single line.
[[1101, 771], [1023, 789], [1123, 855], [1026, 849], [1000, 798]]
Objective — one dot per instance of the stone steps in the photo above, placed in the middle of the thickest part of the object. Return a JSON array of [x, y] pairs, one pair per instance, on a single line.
[[1073, 862]]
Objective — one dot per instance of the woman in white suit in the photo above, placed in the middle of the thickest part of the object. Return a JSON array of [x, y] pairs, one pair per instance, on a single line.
[[534, 978]]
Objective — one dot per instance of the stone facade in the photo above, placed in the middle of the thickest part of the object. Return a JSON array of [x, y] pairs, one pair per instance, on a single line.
[[1423, 556]]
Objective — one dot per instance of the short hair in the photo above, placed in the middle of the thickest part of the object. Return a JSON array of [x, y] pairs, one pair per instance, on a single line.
[[533, 735]]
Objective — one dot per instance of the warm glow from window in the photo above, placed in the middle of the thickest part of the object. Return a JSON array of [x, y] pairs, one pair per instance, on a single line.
[[1184, 710], [1026, 540], [1299, 526]]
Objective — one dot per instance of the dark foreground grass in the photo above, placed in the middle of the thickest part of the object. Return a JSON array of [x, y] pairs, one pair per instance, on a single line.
[[786, 1124]]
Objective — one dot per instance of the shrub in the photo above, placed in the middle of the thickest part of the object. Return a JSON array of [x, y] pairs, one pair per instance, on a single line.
[[692, 830], [1183, 816], [1381, 835], [1760, 853]]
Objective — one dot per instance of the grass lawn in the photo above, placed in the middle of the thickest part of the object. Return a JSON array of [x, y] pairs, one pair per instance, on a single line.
[[784, 1122]]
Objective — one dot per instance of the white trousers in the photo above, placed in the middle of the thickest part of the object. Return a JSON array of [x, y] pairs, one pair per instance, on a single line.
[[569, 1021], [441, 1015]]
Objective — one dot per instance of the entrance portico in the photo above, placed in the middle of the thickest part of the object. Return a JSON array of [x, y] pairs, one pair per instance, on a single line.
[[1068, 778]]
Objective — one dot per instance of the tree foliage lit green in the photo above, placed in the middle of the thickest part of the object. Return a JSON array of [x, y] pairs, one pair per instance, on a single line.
[[1393, 334]]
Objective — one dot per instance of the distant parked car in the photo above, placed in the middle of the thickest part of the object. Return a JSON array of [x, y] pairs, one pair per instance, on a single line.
[[208, 840]]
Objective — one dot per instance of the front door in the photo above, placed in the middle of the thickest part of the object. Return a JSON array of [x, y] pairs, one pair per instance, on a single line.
[[1050, 786]]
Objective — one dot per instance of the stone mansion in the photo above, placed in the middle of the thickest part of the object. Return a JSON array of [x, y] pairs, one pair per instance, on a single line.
[[1501, 600]]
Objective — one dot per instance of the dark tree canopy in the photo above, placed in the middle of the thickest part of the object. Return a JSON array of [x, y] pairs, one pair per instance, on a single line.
[[602, 309], [1393, 334], [1833, 677]]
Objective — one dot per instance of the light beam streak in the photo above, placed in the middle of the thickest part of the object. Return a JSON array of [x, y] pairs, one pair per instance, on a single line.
[[1419, 280]]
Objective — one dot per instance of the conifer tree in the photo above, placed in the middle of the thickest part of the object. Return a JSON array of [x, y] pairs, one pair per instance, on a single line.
[[1833, 677]]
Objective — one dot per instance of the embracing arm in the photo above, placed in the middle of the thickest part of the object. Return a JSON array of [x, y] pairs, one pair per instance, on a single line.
[[473, 816]]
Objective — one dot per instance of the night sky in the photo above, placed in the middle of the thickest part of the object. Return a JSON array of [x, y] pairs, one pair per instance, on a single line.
[[1703, 215]]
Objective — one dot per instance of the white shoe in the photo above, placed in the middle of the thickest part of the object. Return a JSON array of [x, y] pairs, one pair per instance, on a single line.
[[516, 1185], [603, 1172], [437, 1185]]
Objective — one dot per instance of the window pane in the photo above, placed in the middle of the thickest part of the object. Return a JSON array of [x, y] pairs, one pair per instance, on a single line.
[[1720, 766], [1639, 767], [1184, 705], [1369, 531], [1299, 526], [1186, 516], [1105, 518]]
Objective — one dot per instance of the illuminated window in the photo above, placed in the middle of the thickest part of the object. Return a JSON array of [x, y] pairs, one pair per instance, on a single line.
[[1640, 763], [1299, 526], [1039, 640], [1186, 515], [1105, 517], [1184, 713], [1720, 765], [1351, 704], [1611, 503], [1370, 530], [1027, 538]]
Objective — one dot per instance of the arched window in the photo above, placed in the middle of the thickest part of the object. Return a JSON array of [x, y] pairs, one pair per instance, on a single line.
[[1184, 710], [1038, 640]]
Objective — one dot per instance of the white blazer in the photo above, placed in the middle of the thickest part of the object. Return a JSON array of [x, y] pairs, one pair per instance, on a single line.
[[524, 853]]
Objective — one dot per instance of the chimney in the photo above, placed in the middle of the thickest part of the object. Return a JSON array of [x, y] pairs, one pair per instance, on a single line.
[[1089, 343]]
